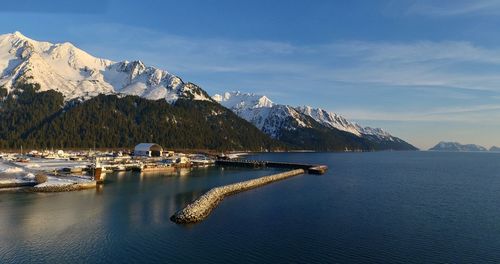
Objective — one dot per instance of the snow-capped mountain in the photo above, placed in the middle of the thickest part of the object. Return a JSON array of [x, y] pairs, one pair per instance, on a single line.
[[275, 119], [75, 73], [78, 75], [331, 119], [457, 147], [269, 117]]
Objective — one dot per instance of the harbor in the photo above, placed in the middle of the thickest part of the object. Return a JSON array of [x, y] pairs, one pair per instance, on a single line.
[[61, 171], [53, 171]]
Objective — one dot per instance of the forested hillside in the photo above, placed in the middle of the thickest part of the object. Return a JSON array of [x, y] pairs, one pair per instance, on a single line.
[[42, 119]]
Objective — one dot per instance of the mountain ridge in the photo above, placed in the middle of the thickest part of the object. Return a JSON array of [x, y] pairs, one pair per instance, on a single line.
[[73, 72], [277, 120], [79, 76]]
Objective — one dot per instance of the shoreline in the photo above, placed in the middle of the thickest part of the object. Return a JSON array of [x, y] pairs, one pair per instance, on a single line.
[[64, 188], [16, 185]]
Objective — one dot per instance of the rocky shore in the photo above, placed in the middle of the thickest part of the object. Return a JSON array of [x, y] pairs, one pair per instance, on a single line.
[[16, 185], [64, 188], [201, 208]]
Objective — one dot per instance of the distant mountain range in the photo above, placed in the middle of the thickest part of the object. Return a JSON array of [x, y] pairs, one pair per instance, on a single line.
[[59, 86], [457, 147]]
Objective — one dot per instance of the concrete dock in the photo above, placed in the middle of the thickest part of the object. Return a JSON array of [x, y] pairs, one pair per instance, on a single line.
[[309, 168]]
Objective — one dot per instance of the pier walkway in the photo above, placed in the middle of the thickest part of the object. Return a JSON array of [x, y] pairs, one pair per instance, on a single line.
[[309, 168]]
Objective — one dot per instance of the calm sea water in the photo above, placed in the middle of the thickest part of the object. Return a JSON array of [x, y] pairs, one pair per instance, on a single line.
[[386, 207]]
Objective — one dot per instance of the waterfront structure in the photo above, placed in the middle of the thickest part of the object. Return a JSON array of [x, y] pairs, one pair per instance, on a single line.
[[148, 150]]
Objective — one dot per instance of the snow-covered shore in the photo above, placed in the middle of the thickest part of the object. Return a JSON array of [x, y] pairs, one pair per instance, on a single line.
[[38, 164], [18, 174], [14, 176]]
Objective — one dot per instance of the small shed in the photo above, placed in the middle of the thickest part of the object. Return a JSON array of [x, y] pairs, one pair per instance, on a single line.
[[148, 150]]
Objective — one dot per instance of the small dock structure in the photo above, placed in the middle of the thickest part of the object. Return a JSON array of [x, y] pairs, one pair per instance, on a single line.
[[309, 168]]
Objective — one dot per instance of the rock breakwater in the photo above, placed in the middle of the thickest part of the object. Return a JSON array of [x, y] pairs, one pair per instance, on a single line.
[[64, 188], [201, 208], [16, 185]]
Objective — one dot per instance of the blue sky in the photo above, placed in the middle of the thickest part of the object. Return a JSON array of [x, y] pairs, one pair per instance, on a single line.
[[423, 70]]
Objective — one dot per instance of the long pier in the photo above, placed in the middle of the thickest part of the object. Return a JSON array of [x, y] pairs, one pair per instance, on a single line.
[[309, 168]]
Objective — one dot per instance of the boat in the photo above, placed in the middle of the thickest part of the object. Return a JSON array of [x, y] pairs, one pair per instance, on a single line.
[[106, 170], [76, 169], [179, 161], [200, 160], [155, 168], [120, 168]]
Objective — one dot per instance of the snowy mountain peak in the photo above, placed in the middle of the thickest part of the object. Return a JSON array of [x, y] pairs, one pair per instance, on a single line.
[[239, 100], [271, 117], [75, 73], [15, 36], [330, 119], [18, 34]]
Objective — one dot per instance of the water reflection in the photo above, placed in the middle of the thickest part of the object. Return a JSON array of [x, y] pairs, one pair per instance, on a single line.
[[99, 188], [128, 202], [183, 171], [120, 176]]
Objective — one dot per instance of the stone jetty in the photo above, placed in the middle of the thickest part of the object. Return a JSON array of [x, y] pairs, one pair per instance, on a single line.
[[201, 208], [16, 185], [64, 188]]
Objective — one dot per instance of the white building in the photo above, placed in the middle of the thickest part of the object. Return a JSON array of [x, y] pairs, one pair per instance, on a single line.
[[148, 150]]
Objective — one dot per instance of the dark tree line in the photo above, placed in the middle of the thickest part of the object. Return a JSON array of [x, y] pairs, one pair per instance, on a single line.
[[43, 120], [35, 119]]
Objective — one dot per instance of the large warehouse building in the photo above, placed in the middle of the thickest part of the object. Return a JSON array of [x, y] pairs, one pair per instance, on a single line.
[[148, 150]]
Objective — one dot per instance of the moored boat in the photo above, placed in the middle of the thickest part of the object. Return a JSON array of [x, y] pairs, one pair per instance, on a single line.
[[155, 168]]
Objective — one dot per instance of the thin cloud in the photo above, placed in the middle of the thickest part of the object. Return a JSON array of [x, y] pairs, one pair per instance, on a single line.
[[55, 7], [446, 64], [463, 70], [421, 63], [455, 8], [480, 113]]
